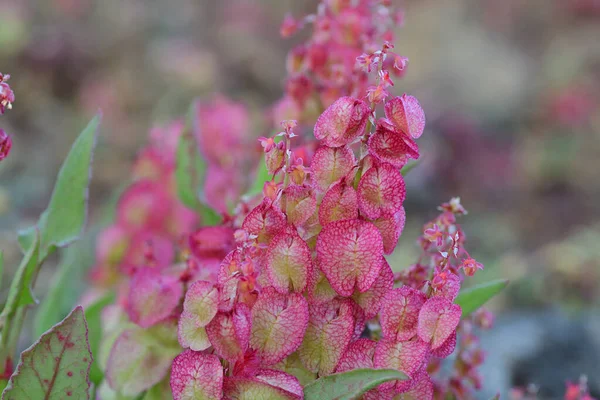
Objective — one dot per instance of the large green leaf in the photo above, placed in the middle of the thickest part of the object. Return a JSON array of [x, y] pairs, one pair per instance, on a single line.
[[64, 219], [349, 385], [473, 298], [56, 366]]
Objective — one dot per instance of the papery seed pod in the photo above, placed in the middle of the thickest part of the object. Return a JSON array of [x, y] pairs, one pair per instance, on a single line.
[[399, 313], [329, 165], [196, 375], [278, 324], [392, 146], [349, 253], [340, 202], [406, 113], [342, 122], [438, 320], [381, 190], [288, 262], [330, 329]]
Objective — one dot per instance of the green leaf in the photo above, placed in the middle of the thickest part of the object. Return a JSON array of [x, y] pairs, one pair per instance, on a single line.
[[190, 173], [56, 366], [473, 298], [409, 167], [64, 219], [20, 288], [93, 314], [190, 169], [349, 385], [262, 176], [60, 297]]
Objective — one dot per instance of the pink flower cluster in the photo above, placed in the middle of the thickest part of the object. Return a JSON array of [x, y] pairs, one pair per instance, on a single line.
[[7, 97], [293, 285]]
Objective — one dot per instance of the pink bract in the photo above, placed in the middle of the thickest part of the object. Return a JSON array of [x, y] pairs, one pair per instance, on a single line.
[[381, 190], [349, 253], [340, 202], [438, 320], [330, 165], [196, 375], [288, 262], [406, 113], [400, 313], [342, 122]]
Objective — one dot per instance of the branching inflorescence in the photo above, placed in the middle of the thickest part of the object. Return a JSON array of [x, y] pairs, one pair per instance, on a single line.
[[293, 284]]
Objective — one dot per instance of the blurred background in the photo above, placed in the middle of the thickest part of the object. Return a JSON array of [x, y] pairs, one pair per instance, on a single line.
[[511, 90]]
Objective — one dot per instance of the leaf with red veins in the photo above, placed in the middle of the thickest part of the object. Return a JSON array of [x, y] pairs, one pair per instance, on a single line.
[[288, 262], [196, 375], [406, 113], [330, 329], [391, 226], [421, 390], [318, 289], [450, 287], [229, 333], [399, 314], [265, 221], [340, 202], [349, 253], [238, 388], [191, 334], [408, 357], [300, 203], [278, 324], [212, 242], [342, 122], [56, 366], [381, 190], [281, 380], [329, 165], [152, 297], [446, 348], [438, 319], [359, 354], [202, 301], [370, 301], [391, 146]]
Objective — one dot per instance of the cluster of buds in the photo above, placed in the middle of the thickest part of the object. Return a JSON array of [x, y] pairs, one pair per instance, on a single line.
[[7, 97]]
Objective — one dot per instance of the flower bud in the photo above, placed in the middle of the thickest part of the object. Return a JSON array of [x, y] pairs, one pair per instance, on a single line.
[[5, 144]]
